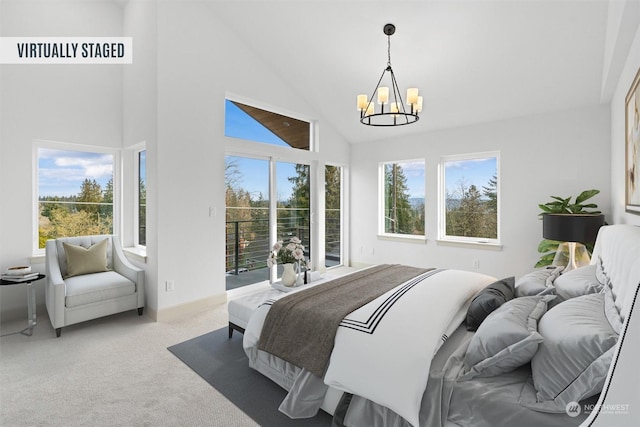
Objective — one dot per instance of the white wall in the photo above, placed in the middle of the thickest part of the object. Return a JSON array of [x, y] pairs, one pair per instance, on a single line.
[[140, 125], [560, 154], [67, 103], [629, 71], [200, 60]]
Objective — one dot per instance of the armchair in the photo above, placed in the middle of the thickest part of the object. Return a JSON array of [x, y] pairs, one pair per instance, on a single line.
[[79, 295]]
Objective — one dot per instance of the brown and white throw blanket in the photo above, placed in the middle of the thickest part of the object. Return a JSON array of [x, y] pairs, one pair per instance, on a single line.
[[382, 351], [318, 311]]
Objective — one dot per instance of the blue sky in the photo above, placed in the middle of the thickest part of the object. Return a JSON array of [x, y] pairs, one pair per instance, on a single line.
[[61, 172], [477, 172]]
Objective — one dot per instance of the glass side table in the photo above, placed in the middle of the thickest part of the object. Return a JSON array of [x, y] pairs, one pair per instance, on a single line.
[[31, 302]]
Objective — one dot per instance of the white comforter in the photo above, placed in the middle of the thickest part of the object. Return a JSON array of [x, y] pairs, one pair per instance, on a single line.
[[383, 350]]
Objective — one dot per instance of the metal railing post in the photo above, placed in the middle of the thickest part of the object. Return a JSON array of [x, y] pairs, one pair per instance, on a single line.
[[237, 248]]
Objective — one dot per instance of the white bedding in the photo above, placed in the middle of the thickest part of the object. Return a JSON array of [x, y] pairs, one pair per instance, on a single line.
[[393, 339]]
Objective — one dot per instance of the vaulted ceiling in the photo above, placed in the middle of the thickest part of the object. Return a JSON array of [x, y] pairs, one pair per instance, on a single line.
[[474, 61]]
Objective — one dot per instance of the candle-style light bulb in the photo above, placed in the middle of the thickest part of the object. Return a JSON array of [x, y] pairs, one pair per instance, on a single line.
[[362, 102], [383, 95], [412, 95]]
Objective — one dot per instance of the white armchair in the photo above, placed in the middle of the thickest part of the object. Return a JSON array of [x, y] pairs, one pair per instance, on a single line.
[[84, 297]]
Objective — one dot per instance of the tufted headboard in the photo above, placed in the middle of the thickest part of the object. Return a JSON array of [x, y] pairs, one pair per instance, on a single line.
[[618, 248]]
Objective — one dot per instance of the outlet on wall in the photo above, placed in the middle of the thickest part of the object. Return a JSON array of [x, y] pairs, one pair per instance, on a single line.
[[170, 286]]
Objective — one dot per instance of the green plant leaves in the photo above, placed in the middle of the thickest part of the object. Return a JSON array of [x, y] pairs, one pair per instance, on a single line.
[[586, 195]]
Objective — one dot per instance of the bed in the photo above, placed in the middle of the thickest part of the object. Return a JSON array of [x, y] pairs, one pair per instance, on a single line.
[[405, 356]]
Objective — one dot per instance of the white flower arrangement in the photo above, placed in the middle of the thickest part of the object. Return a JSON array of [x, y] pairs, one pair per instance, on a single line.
[[293, 252]]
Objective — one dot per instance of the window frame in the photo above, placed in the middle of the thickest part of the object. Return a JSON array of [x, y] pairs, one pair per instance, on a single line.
[[66, 146], [270, 148], [136, 199], [442, 195], [382, 233], [341, 262]]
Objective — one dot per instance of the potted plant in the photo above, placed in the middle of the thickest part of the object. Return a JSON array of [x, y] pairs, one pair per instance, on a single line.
[[559, 205]]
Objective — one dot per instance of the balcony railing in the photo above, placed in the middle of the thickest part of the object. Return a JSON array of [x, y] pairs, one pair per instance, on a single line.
[[248, 245]]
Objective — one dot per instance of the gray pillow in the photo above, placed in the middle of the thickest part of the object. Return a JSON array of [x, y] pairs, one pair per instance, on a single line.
[[573, 360], [578, 282], [508, 338], [538, 282], [488, 299]]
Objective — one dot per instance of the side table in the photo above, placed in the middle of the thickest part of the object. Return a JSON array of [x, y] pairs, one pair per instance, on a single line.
[[31, 302]]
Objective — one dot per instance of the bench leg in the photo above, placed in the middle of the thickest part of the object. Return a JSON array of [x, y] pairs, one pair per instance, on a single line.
[[140, 310], [58, 332], [232, 327]]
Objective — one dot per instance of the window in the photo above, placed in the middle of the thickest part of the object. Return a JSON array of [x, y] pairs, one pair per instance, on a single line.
[[75, 193], [254, 124], [333, 216], [402, 185], [247, 220], [469, 198], [251, 203], [142, 198]]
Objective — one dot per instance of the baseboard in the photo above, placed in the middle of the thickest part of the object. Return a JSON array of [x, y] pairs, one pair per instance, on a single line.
[[179, 311], [358, 265]]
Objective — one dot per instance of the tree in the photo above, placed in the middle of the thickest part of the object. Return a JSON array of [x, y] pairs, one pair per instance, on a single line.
[[398, 212], [468, 214], [90, 193]]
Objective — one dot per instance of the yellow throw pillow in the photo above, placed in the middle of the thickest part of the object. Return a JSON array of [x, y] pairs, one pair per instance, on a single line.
[[86, 261]]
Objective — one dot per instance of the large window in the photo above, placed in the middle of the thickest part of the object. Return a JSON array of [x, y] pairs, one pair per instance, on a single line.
[[75, 193], [402, 187], [333, 216], [469, 198]]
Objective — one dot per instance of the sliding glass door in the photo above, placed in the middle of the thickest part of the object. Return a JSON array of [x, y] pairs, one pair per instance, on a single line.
[[250, 202]]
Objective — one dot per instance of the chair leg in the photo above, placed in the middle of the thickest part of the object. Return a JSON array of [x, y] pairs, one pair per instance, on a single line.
[[58, 332], [140, 310]]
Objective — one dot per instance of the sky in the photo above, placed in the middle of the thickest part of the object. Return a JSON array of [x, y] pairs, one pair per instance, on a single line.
[[477, 172], [61, 172]]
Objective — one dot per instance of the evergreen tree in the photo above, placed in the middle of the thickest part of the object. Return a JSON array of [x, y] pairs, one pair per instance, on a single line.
[[90, 192], [398, 213]]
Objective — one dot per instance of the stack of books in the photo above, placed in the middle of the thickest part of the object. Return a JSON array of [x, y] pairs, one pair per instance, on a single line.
[[19, 275]]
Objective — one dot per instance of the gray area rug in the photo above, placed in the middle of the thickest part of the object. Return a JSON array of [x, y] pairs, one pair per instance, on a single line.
[[222, 363]]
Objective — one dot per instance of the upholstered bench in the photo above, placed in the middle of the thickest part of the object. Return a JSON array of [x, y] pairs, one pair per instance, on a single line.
[[242, 307]]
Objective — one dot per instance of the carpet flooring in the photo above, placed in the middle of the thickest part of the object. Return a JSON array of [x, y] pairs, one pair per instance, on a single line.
[[223, 364]]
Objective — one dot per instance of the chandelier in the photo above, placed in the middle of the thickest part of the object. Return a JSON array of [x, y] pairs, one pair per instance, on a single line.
[[391, 113]]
